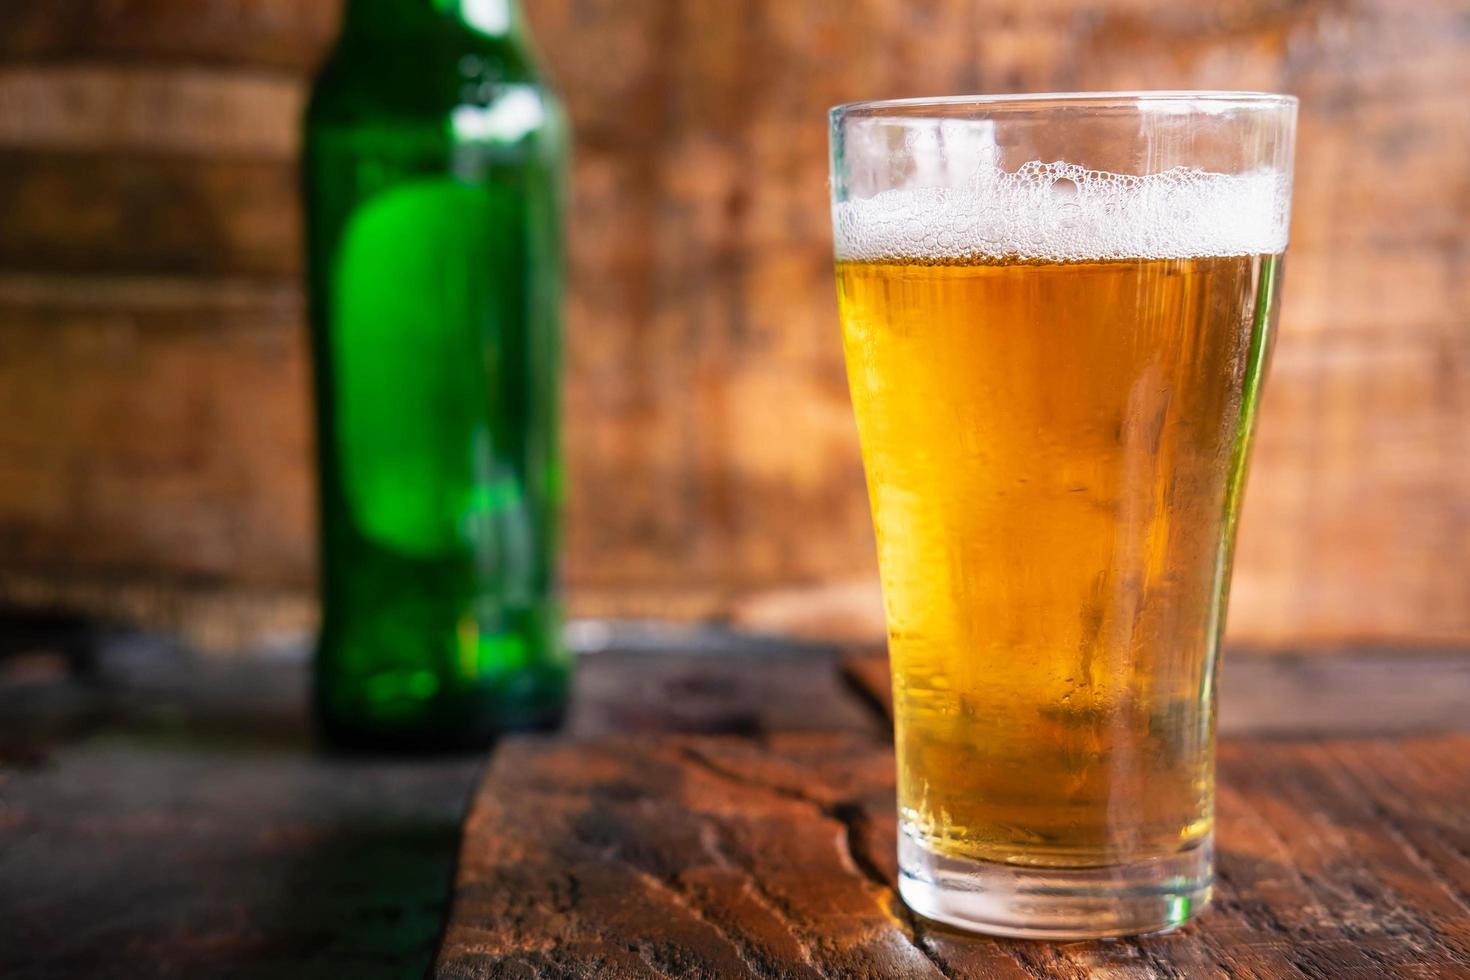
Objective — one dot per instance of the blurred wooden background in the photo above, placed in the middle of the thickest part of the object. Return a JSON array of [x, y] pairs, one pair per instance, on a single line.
[[154, 428]]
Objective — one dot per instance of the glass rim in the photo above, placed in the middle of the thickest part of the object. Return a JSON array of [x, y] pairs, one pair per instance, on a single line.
[[1021, 101]]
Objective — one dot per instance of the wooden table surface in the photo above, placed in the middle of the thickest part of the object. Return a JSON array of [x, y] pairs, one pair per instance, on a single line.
[[705, 814]]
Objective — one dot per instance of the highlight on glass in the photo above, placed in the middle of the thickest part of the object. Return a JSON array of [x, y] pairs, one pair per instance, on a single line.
[[1056, 313]]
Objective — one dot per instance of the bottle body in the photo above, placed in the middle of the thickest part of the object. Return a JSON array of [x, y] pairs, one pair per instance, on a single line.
[[433, 165]]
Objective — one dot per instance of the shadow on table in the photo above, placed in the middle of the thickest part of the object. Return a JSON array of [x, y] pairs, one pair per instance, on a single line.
[[62, 686], [163, 815], [363, 902]]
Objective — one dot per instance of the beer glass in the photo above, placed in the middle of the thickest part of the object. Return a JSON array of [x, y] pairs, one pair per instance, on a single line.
[[1056, 313]]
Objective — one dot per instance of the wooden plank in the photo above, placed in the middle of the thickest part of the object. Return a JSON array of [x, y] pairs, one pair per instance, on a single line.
[[749, 693], [705, 382], [725, 857], [1286, 693], [1346, 504], [214, 618], [1348, 692], [688, 682], [224, 853], [703, 326], [105, 213], [751, 856], [114, 498], [167, 818], [287, 34], [1357, 901], [145, 110], [639, 859], [117, 405]]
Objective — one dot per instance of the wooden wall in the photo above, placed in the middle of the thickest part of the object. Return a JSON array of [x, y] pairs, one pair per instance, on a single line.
[[154, 427]]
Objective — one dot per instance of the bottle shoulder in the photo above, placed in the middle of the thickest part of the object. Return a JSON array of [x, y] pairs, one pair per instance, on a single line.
[[371, 79]]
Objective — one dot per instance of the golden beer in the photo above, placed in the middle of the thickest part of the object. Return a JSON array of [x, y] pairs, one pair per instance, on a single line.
[[1054, 453], [1056, 311]]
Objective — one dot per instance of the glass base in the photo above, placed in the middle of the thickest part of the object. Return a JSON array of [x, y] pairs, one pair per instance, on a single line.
[[1055, 903]]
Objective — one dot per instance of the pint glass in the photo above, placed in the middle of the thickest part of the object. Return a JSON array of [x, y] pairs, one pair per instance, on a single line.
[[1056, 312]]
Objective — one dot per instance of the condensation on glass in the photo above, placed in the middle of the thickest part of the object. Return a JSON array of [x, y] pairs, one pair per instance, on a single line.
[[1056, 312]]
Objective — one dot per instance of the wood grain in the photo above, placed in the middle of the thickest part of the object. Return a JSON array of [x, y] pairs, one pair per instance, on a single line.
[[121, 393], [94, 212], [165, 816], [687, 774], [141, 110], [735, 692], [279, 34], [713, 463], [131, 474], [719, 857], [704, 303]]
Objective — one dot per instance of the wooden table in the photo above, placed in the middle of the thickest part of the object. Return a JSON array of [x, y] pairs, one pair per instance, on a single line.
[[703, 815]]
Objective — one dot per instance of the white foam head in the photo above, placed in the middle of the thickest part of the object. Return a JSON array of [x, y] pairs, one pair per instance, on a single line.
[[1063, 212]]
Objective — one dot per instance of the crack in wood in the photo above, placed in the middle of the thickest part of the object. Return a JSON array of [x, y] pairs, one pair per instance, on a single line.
[[851, 816], [729, 775], [1299, 880], [847, 814], [751, 884], [680, 899], [855, 682]]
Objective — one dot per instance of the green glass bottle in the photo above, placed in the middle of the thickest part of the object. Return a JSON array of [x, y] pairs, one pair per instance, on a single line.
[[434, 159]]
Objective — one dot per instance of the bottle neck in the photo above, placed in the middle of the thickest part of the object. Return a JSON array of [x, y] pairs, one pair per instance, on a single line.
[[490, 18]]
